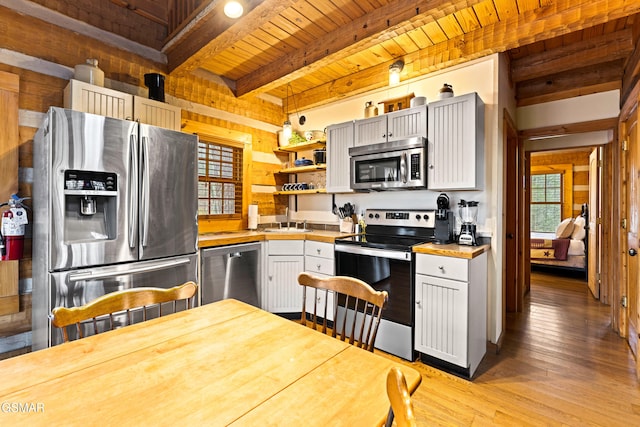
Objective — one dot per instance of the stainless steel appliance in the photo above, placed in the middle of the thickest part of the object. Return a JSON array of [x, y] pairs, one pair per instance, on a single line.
[[115, 207], [396, 165], [231, 272], [468, 212], [382, 257]]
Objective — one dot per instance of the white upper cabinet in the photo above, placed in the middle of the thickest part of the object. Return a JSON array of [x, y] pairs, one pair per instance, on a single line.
[[88, 98], [394, 126], [339, 140], [372, 130], [156, 113], [456, 143]]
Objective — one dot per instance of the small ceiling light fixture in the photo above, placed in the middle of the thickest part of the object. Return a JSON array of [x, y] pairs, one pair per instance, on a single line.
[[394, 72], [233, 9]]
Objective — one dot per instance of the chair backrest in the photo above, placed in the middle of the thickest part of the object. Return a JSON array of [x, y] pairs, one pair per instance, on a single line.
[[323, 308], [121, 301], [401, 406]]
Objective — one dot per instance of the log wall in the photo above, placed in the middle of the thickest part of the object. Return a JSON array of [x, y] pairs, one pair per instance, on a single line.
[[43, 55]]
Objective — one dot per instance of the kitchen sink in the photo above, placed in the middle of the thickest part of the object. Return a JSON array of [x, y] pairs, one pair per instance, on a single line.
[[287, 230]]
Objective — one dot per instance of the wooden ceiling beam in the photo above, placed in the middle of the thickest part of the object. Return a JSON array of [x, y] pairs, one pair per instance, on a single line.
[[501, 36], [581, 54], [580, 81], [384, 23], [155, 11], [212, 33]]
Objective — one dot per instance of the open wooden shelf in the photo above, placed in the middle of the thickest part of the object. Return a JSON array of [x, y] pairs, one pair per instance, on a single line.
[[295, 192], [303, 169], [309, 145]]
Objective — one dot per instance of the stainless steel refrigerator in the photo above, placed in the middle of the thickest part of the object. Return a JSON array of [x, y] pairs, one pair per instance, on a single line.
[[115, 207]]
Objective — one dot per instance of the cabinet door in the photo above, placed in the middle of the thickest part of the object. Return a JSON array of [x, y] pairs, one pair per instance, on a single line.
[[408, 123], [456, 143], [283, 294], [339, 140], [322, 300], [156, 113], [88, 98], [371, 131], [441, 319]]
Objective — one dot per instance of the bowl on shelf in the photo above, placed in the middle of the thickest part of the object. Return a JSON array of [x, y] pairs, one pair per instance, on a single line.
[[303, 162]]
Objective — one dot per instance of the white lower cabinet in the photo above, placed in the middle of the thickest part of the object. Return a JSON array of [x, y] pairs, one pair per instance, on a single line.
[[451, 310], [285, 261], [319, 261]]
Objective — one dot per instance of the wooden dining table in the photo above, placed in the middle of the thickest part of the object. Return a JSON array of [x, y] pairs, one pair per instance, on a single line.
[[226, 363]]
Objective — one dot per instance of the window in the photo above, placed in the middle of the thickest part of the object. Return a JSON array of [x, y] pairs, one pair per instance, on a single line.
[[546, 202], [219, 180]]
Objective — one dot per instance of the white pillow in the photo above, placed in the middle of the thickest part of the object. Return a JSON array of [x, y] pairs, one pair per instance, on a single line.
[[564, 229], [579, 232]]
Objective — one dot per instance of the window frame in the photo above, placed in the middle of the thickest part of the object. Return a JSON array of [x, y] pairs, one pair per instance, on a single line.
[[566, 172], [238, 180]]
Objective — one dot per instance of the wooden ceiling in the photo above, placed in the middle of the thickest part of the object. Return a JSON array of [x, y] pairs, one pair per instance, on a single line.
[[329, 49]]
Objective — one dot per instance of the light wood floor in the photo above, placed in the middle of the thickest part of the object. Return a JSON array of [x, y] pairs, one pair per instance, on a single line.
[[560, 364]]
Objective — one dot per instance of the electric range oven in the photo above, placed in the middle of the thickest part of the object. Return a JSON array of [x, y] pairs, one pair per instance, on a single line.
[[383, 258]]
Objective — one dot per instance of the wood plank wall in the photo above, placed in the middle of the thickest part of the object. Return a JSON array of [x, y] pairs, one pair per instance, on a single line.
[[579, 159], [59, 50]]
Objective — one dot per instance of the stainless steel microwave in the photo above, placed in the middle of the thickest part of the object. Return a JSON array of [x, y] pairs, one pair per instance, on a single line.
[[396, 165]]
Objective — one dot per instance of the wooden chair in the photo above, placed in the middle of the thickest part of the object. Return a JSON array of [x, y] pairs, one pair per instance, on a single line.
[[401, 407], [340, 291], [120, 301]]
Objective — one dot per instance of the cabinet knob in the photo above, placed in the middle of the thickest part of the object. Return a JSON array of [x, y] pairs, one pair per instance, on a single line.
[[270, 278], [632, 252], [318, 267], [390, 135], [441, 268], [430, 166], [419, 304], [318, 250], [384, 136]]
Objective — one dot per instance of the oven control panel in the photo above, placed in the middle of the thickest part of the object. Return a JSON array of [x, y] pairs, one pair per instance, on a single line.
[[408, 218]]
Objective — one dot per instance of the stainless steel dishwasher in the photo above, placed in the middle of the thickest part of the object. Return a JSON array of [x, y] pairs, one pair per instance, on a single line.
[[231, 272]]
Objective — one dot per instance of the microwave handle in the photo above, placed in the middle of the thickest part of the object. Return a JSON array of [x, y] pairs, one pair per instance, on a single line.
[[403, 167]]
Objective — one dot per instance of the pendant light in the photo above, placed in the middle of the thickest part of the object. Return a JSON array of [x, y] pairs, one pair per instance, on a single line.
[[286, 126], [394, 72]]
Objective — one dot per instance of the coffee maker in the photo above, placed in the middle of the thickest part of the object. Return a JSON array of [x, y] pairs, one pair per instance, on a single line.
[[468, 212], [443, 232]]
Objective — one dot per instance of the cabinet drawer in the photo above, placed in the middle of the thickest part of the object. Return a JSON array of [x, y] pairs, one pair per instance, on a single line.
[[319, 249], [286, 247], [314, 264], [442, 266]]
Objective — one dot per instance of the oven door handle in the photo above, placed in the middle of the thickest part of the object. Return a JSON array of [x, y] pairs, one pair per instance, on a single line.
[[381, 253]]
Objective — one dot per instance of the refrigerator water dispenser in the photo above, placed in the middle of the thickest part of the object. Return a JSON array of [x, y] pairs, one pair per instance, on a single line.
[[90, 205]]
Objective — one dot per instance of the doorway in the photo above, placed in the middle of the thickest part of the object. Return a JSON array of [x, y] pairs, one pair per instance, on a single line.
[[570, 136]]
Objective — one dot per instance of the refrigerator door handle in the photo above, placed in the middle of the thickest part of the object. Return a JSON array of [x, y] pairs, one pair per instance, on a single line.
[[105, 273], [133, 191], [144, 202]]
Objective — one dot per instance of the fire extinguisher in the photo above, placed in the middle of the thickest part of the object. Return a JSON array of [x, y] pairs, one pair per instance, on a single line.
[[14, 221]]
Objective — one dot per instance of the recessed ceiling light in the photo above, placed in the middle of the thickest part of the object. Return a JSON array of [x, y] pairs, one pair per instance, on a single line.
[[233, 9]]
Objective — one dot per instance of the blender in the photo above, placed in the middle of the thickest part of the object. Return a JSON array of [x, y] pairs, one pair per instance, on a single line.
[[468, 212]]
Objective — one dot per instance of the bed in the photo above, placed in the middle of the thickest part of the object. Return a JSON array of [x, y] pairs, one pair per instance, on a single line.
[[566, 248]]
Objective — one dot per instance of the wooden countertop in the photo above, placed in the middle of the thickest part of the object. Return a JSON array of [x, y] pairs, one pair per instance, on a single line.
[[208, 240], [225, 363], [451, 250]]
